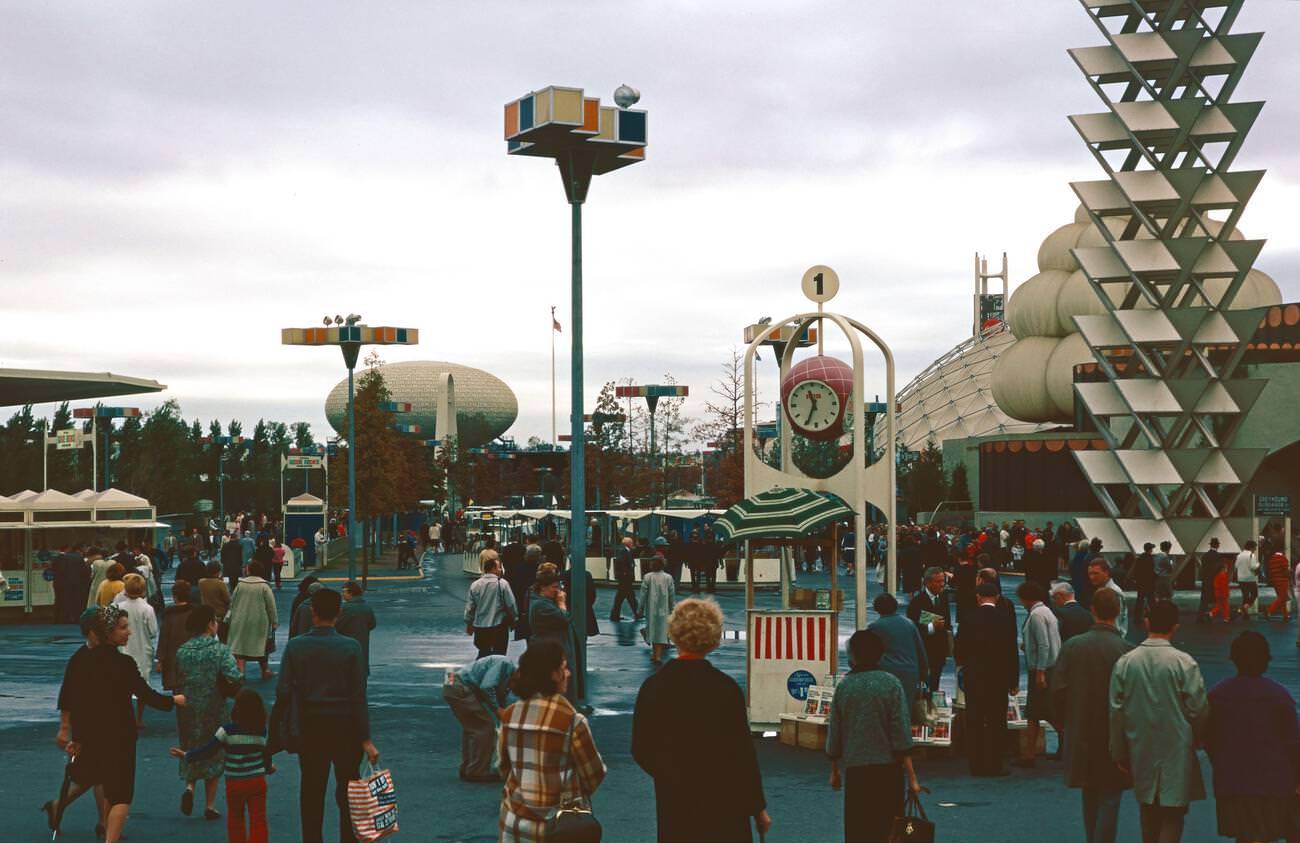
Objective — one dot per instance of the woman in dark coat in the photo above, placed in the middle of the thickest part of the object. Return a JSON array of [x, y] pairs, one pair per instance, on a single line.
[[172, 633], [97, 694], [690, 733], [304, 592], [1253, 744], [548, 616]]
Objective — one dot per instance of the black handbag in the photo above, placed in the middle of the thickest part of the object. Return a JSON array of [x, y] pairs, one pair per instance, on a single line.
[[573, 821], [912, 827]]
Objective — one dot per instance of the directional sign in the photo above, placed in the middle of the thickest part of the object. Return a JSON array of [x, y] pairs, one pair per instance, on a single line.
[[407, 428], [299, 461], [395, 406], [66, 440]]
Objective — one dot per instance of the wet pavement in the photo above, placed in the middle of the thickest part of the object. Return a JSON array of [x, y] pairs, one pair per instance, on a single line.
[[421, 634]]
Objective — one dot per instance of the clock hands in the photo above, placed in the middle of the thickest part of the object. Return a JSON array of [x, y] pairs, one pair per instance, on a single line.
[[812, 408]]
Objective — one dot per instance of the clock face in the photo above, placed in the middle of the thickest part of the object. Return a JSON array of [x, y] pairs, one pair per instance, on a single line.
[[813, 408]]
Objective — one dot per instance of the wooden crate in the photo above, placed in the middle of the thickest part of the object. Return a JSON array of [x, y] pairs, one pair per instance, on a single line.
[[803, 732]]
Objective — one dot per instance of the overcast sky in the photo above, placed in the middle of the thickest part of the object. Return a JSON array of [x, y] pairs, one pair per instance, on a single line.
[[179, 180]]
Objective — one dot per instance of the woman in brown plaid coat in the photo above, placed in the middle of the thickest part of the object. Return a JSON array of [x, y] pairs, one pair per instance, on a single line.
[[548, 756]]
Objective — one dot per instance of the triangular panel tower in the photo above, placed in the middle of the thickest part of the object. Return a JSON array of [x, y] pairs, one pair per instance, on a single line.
[[1176, 391]]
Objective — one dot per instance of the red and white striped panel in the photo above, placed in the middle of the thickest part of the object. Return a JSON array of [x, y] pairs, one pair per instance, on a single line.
[[789, 638]]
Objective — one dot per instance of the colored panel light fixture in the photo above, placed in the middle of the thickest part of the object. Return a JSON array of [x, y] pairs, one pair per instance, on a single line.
[[106, 412]]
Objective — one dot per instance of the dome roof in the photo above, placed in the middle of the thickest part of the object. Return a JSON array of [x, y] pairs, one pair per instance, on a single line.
[[485, 405], [953, 397]]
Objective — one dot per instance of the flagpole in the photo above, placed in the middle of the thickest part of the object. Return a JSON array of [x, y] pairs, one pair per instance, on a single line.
[[555, 441]]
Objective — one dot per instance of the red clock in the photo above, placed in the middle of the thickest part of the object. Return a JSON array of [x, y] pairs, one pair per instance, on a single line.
[[815, 396]]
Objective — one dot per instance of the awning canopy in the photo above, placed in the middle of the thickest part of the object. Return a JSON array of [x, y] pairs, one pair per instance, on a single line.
[[112, 508], [781, 514], [39, 386]]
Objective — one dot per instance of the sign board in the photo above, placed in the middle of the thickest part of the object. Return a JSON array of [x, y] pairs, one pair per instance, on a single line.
[[68, 439], [1272, 504], [303, 461], [820, 283], [203, 505]]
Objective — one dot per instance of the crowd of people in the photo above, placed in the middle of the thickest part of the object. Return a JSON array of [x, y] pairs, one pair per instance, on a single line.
[[1127, 716]]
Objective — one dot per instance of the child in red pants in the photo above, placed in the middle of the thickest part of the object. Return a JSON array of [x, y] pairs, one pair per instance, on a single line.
[[247, 764], [1222, 591]]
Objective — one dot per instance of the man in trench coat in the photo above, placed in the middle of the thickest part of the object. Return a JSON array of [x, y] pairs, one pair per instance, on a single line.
[[1158, 714]]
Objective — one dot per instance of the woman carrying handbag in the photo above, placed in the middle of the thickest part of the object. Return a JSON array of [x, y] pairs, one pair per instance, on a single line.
[[548, 760]]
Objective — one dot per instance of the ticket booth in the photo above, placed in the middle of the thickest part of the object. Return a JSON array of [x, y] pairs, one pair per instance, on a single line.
[[34, 526], [303, 516]]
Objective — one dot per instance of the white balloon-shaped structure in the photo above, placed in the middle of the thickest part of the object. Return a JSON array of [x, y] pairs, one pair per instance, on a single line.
[[1033, 380]]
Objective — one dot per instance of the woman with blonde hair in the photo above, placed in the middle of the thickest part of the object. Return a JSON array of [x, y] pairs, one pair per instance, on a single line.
[[707, 781], [111, 586], [143, 621], [658, 593]]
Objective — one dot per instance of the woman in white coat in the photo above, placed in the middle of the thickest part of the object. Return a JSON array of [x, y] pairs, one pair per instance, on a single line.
[[658, 593], [143, 623]]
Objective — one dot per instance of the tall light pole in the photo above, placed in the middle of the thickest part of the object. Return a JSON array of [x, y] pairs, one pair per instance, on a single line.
[[349, 337], [585, 139]]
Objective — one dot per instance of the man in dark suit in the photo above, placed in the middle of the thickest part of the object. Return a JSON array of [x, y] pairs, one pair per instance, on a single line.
[[232, 562], [990, 663], [1071, 618], [625, 576], [933, 599]]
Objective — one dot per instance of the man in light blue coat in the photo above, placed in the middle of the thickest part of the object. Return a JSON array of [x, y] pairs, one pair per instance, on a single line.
[[1159, 713]]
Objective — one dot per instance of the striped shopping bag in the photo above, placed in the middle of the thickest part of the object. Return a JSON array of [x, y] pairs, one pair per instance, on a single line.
[[372, 802]]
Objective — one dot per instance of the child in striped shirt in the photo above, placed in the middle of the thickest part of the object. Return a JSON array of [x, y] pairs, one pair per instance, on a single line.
[[247, 764]]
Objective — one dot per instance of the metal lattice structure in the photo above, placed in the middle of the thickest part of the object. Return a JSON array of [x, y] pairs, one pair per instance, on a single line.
[[953, 397], [1170, 345]]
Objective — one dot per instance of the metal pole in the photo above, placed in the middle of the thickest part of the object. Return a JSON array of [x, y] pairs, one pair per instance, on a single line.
[[108, 456], [352, 475], [94, 454], [221, 488], [577, 463], [554, 439]]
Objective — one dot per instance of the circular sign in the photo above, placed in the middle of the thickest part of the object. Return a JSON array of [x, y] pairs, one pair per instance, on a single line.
[[798, 683], [820, 283]]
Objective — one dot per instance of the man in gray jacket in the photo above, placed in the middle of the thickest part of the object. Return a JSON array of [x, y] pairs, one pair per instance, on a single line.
[[490, 609], [1041, 641], [1158, 714]]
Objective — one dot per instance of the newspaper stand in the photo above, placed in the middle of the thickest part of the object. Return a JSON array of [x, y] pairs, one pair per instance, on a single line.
[[787, 650]]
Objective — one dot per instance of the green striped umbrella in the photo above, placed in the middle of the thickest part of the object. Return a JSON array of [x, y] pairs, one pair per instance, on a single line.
[[781, 514]]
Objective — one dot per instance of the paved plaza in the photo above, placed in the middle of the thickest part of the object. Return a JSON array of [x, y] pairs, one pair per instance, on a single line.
[[421, 633]]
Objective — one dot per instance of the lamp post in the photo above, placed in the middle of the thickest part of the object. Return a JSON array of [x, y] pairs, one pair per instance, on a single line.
[[349, 337], [585, 139]]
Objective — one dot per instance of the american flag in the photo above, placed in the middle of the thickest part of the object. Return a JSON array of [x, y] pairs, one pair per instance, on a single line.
[[789, 638]]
